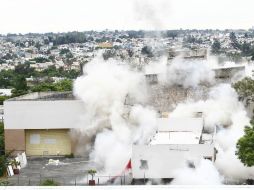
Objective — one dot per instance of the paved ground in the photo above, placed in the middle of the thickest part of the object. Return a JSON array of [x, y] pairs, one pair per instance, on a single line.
[[70, 171]]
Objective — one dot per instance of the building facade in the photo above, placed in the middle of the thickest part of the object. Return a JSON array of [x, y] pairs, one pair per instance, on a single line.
[[178, 143], [40, 123]]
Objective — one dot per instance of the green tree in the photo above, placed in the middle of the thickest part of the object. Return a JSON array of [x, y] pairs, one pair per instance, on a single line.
[[216, 46], [147, 50], [20, 86], [246, 49], [20, 83], [40, 60], [43, 87], [2, 138], [234, 41], [63, 85], [2, 99], [24, 70], [245, 88], [245, 146], [4, 162], [172, 34], [64, 51]]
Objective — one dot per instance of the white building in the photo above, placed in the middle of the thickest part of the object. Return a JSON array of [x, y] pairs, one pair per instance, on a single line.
[[1, 113], [179, 142], [39, 123], [5, 92]]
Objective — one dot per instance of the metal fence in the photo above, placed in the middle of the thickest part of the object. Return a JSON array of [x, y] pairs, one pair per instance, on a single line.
[[78, 180]]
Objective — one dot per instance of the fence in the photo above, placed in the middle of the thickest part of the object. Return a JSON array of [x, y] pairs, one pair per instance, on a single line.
[[78, 180]]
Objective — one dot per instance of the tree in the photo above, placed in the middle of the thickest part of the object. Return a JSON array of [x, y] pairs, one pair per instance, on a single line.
[[20, 86], [2, 99], [245, 146], [38, 45], [2, 148], [20, 83], [64, 51], [216, 46], [246, 49], [24, 70], [69, 55], [234, 41], [172, 34], [92, 173], [130, 52], [245, 88], [190, 39], [108, 54], [43, 87], [40, 60], [4, 162], [147, 50], [63, 85]]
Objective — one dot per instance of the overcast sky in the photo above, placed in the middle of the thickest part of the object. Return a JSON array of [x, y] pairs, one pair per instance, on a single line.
[[22, 16]]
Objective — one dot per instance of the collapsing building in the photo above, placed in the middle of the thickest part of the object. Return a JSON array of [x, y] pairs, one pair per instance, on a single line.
[[178, 142], [229, 71]]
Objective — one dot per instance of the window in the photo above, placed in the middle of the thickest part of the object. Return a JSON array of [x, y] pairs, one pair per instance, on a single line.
[[208, 158], [143, 165], [35, 139]]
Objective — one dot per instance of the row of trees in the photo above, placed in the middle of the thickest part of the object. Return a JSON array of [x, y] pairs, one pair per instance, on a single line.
[[61, 86], [9, 78], [67, 38], [16, 79]]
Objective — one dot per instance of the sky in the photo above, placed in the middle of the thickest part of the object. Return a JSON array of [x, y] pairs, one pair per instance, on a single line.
[[23, 16]]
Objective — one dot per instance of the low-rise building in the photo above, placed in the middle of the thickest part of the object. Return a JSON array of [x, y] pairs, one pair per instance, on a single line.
[[178, 142], [40, 123]]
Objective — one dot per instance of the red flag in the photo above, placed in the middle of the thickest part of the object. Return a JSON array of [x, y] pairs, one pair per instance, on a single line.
[[128, 165]]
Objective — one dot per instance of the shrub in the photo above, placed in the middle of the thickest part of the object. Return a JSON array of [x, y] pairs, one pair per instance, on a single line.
[[49, 182], [4, 183], [69, 155]]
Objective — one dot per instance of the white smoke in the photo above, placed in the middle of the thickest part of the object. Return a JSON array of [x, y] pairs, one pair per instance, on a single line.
[[104, 90], [222, 109], [188, 73], [204, 174], [115, 126], [152, 15]]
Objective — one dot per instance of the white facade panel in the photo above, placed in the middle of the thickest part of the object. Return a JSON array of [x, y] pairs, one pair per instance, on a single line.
[[162, 161], [180, 124], [59, 114]]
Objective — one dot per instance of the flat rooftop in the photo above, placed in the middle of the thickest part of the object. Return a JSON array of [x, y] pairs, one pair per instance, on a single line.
[[176, 138], [181, 131], [40, 96]]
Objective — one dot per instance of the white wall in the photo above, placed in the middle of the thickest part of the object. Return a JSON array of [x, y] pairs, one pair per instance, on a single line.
[[5, 92], [164, 160], [42, 114]]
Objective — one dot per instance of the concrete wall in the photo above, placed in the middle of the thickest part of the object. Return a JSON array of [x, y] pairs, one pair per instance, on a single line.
[[14, 140], [163, 160], [228, 72], [59, 114]]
